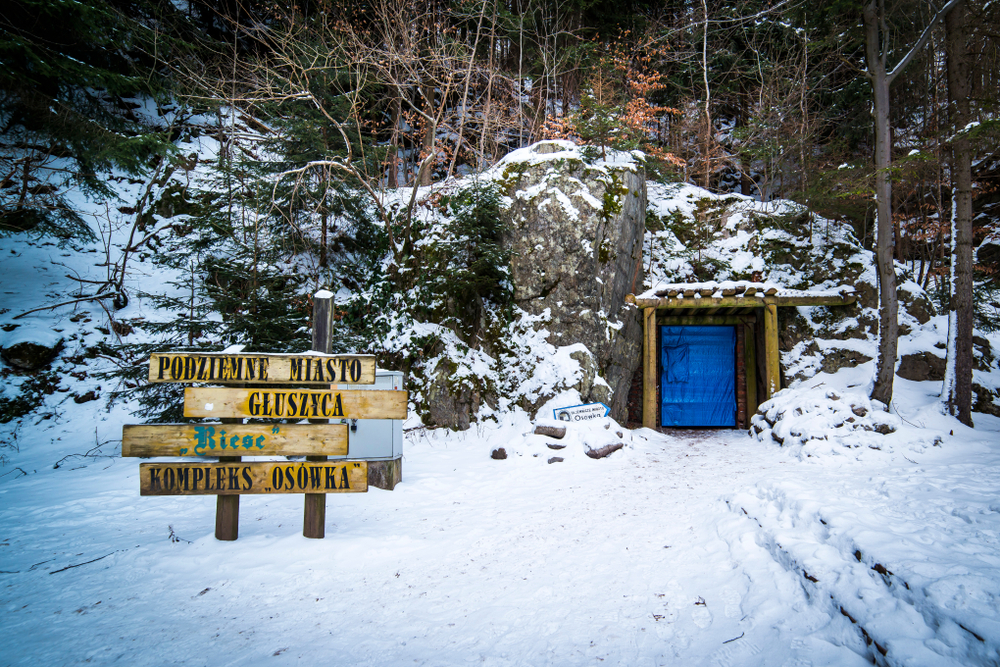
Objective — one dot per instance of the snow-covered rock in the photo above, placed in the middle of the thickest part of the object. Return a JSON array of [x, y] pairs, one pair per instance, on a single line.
[[577, 224], [843, 419], [31, 347]]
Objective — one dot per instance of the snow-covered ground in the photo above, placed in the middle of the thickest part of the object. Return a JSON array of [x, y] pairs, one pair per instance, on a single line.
[[691, 548], [841, 547]]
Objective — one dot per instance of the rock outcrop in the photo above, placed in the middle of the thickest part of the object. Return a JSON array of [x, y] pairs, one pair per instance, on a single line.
[[577, 231]]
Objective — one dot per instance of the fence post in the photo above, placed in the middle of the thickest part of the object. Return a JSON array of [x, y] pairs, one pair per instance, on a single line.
[[314, 512]]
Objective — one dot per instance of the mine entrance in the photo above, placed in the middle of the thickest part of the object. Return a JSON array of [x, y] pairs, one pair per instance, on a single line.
[[689, 313], [698, 376]]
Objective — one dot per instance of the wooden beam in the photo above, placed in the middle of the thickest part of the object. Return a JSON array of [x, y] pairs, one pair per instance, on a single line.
[[750, 365], [232, 478], [213, 440], [741, 301], [227, 507], [649, 378], [704, 320], [772, 360], [314, 507], [294, 403]]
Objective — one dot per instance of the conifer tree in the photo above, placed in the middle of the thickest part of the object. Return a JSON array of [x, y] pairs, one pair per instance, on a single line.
[[70, 73]]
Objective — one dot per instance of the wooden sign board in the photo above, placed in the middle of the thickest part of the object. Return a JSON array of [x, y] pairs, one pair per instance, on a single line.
[[200, 479], [297, 369], [235, 440], [295, 403]]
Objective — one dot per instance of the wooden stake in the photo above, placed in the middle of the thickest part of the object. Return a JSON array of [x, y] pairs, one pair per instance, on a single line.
[[772, 362], [649, 378], [750, 365], [314, 510], [227, 508]]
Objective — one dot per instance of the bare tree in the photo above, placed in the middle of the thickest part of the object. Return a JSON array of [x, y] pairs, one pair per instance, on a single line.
[[957, 390], [877, 47]]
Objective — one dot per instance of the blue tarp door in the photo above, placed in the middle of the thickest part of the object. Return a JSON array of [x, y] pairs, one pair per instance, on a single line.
[[697, 376]]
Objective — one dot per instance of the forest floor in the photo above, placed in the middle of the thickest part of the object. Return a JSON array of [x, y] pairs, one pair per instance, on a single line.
[[693, 548]]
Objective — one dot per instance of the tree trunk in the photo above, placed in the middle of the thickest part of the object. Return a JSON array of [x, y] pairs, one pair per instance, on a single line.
[[957, 390], [392, 159], [877, 39], [427, 93], [707, 137], [888, 325]]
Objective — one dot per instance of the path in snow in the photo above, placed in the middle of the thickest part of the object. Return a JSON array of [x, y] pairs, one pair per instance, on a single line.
[[631, 560]]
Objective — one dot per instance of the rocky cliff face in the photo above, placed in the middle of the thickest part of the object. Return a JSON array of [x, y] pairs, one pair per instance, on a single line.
[[577, 229]]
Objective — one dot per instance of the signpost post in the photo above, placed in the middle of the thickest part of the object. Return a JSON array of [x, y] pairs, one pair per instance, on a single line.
[[257, 391], [314, 509]]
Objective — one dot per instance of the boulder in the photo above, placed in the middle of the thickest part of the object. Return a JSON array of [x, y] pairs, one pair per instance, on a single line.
[[449, 404], [985, 400], [31, 355], [834, 360], [921, 367], [577, 228]]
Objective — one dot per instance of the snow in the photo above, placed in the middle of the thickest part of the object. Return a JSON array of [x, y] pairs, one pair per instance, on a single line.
[[681, 548], [662, 288], [564, 150], [700, 548]]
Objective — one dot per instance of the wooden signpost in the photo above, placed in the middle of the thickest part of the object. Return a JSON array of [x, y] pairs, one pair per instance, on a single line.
[[295, 403], [235, 440], [189, 479], [257, 397], [297, 369]]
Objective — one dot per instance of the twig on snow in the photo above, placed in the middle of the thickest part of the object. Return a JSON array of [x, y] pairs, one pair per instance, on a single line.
[[69, 567]]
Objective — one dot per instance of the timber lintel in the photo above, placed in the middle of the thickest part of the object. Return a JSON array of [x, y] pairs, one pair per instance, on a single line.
[[721, 320], [666, 303]]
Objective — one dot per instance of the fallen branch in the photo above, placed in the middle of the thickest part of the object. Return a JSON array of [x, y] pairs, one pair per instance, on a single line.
[[69, 567], [96, 297]]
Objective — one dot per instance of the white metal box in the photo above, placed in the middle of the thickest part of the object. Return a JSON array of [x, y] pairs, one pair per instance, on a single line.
[[374, 439]]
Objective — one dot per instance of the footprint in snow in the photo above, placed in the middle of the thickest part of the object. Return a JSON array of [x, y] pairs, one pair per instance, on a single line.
[[702, 617]]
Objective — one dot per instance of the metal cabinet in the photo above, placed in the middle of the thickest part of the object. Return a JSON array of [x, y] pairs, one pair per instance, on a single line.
[[375, 439]]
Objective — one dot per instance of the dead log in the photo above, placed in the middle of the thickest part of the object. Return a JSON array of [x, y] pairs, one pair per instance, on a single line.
[[606, 450], [551, 431]]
